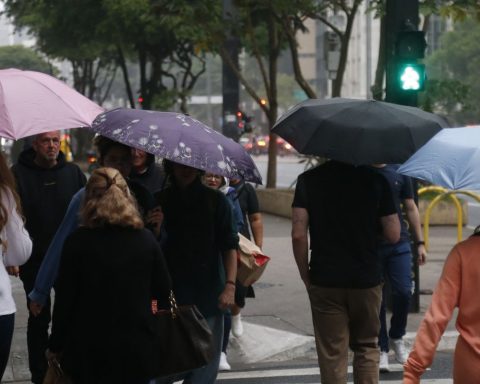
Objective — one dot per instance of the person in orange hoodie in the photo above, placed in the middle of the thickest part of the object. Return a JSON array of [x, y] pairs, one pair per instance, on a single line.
[[458, 286]]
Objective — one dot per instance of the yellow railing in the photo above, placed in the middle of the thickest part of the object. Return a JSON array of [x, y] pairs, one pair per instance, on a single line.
[[444, 193]]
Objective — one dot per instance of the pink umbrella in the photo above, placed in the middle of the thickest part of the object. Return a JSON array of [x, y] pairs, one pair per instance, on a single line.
[[33, 103]]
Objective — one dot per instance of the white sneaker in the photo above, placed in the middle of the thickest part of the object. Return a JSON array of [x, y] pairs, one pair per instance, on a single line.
[[237, 326], [224, 366], [401, 353], [383, 365]]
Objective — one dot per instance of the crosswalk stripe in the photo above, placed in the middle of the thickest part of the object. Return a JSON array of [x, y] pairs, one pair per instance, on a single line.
[[268, 373], [284, 372]]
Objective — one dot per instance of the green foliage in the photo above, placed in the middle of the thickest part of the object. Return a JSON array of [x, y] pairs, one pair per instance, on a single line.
[[454, 85], [20, 57], [94, 34], [458, 10]]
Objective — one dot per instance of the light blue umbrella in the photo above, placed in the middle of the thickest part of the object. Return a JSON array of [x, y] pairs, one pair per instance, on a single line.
[[450, 159]]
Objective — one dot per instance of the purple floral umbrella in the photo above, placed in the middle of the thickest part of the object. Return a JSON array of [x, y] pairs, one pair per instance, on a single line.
[[179, 138]]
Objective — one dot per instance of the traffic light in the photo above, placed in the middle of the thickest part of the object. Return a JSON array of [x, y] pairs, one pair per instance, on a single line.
[[409, 74], [411, 77], [244, 122], [410, 45]]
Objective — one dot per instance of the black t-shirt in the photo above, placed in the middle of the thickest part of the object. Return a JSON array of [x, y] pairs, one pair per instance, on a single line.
[[247, 198], [344, 205], [402, 189]]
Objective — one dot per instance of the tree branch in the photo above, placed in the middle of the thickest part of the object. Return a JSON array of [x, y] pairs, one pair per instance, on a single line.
[[228, 60]]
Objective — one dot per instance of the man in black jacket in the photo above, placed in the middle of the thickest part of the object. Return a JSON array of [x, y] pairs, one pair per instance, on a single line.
[[46, 184]]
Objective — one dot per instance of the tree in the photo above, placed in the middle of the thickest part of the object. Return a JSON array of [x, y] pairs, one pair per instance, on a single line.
[[264, 40], [20, 57], [97, 36], [266, 29], [454, 87]]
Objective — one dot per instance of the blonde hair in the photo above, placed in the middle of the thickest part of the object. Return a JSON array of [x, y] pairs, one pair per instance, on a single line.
[[108, 201]]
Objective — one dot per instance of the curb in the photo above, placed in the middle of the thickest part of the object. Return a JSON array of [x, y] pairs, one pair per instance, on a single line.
[[265, 344]]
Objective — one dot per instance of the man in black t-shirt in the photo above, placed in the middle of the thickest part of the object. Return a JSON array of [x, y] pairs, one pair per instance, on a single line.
[[252, 218], [346, 210]]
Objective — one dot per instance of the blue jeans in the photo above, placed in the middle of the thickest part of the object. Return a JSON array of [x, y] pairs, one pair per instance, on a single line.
[[397, 268], [208, 373], [7, 323], [227, 326]]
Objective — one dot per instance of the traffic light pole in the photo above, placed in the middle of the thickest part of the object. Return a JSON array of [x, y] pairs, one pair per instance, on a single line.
[[400, 15], [230, 85]]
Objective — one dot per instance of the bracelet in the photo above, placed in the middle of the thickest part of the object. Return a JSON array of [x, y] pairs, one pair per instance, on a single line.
[[421, 242], [231, 282]]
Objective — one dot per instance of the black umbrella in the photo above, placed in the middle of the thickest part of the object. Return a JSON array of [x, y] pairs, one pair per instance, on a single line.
[[357, 131]]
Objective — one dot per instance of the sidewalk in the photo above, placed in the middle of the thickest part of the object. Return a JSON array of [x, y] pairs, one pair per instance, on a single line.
[[277, 322]]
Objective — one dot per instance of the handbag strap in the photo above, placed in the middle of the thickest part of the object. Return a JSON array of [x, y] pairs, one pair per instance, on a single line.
[[173, 304]]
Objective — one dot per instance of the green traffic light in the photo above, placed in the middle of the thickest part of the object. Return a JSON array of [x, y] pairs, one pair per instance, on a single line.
[[411, 77]]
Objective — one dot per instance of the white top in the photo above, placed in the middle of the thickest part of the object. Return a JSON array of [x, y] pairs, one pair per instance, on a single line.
[[18, 250]]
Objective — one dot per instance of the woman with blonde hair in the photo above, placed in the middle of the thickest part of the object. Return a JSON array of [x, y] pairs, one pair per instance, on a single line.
[[111, 268], [15, 248]]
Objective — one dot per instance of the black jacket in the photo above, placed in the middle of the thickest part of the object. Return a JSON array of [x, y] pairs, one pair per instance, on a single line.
[[102, 319], [152, 178], [45, 194]]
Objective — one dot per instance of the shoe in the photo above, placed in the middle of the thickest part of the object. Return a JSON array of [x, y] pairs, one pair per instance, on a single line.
[[401, 353], [237, 326], [383, 366], [224, 366]]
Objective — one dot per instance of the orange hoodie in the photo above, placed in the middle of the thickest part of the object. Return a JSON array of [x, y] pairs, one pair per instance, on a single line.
[[459, 286]]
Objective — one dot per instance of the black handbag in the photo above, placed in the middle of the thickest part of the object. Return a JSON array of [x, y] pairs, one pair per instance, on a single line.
[[184, 339]]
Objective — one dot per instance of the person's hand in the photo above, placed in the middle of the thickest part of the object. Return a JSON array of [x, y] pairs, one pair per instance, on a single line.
[[51, 356], [422, 254], [227, 297], [35, 308], [13, 271], [155, 219], [306, 281]]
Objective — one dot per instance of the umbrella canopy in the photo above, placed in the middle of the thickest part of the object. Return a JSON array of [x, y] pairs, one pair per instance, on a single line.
[[450, 159], [33, 103], [179, 138], [357, 131]]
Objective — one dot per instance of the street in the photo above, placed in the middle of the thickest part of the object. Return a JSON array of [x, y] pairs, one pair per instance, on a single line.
[[307, 372], [288, 168]]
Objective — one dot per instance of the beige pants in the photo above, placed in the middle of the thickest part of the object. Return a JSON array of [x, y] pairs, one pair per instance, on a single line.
[[344, 318]]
